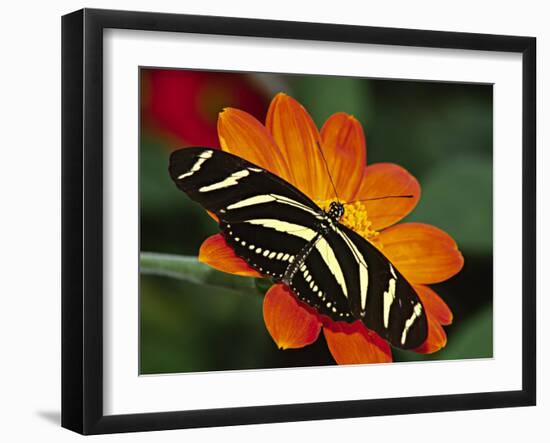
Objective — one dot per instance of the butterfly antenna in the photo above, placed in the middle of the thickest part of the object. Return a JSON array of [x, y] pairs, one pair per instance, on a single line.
[[328, 171], [382, 198]]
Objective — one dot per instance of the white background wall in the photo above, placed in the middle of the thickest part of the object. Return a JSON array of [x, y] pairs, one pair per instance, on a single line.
[[30, 218]]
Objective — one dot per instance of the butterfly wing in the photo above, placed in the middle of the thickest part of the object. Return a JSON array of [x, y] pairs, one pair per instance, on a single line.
[[263, 218], [390, 305], [277, 228], [347, 278]]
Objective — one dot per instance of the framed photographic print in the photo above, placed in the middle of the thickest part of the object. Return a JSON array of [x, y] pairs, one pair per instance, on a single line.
[[271, 221]]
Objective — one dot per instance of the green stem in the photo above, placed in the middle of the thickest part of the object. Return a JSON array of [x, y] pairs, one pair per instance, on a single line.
[[190, 269]]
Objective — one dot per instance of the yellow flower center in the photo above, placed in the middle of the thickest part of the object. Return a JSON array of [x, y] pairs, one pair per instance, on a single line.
[[355, 217]]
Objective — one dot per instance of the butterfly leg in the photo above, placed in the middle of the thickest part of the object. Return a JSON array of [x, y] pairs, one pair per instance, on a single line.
[[299, 260]]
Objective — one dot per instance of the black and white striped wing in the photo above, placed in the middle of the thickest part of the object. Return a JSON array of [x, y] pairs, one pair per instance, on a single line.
[[262, 217], [347, 278], [284, 235]]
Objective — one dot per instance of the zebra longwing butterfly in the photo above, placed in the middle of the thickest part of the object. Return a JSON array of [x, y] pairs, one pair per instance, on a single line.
[[285, 236]]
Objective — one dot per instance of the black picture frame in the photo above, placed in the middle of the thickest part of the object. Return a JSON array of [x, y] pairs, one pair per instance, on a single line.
[[82, 219]]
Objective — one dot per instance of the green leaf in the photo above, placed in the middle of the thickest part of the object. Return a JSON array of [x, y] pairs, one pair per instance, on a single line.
[[472, 338], [188, 327], [419, 124], [263, 284], [157, 191], [457, 196], [191, 270], [323, 96]]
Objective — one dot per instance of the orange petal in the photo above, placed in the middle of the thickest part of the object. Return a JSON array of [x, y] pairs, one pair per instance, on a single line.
[[214, 216], [436, 340], [297, 136], [290, 324], [243, 135], [215, 252], [388, 179], [434, 305], [423, 253], [346, 154], [355, 344], [438, 314]]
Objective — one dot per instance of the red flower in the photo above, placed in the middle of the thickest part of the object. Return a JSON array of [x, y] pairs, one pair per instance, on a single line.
[[183, 106], [287, 146]]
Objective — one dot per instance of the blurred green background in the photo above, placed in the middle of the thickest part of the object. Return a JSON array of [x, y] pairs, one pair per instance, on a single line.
[[440, 132]]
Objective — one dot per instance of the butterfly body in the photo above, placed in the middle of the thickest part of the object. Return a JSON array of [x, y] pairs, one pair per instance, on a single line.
[[285, 236]]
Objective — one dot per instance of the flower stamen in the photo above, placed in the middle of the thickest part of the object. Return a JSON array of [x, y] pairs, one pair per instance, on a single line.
[[355, 217]]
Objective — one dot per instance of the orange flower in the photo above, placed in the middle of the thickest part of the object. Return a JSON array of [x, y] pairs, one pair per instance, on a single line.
[[287, 146]]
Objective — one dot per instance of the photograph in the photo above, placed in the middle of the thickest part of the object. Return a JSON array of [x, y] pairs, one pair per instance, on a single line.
[[295, 220]]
